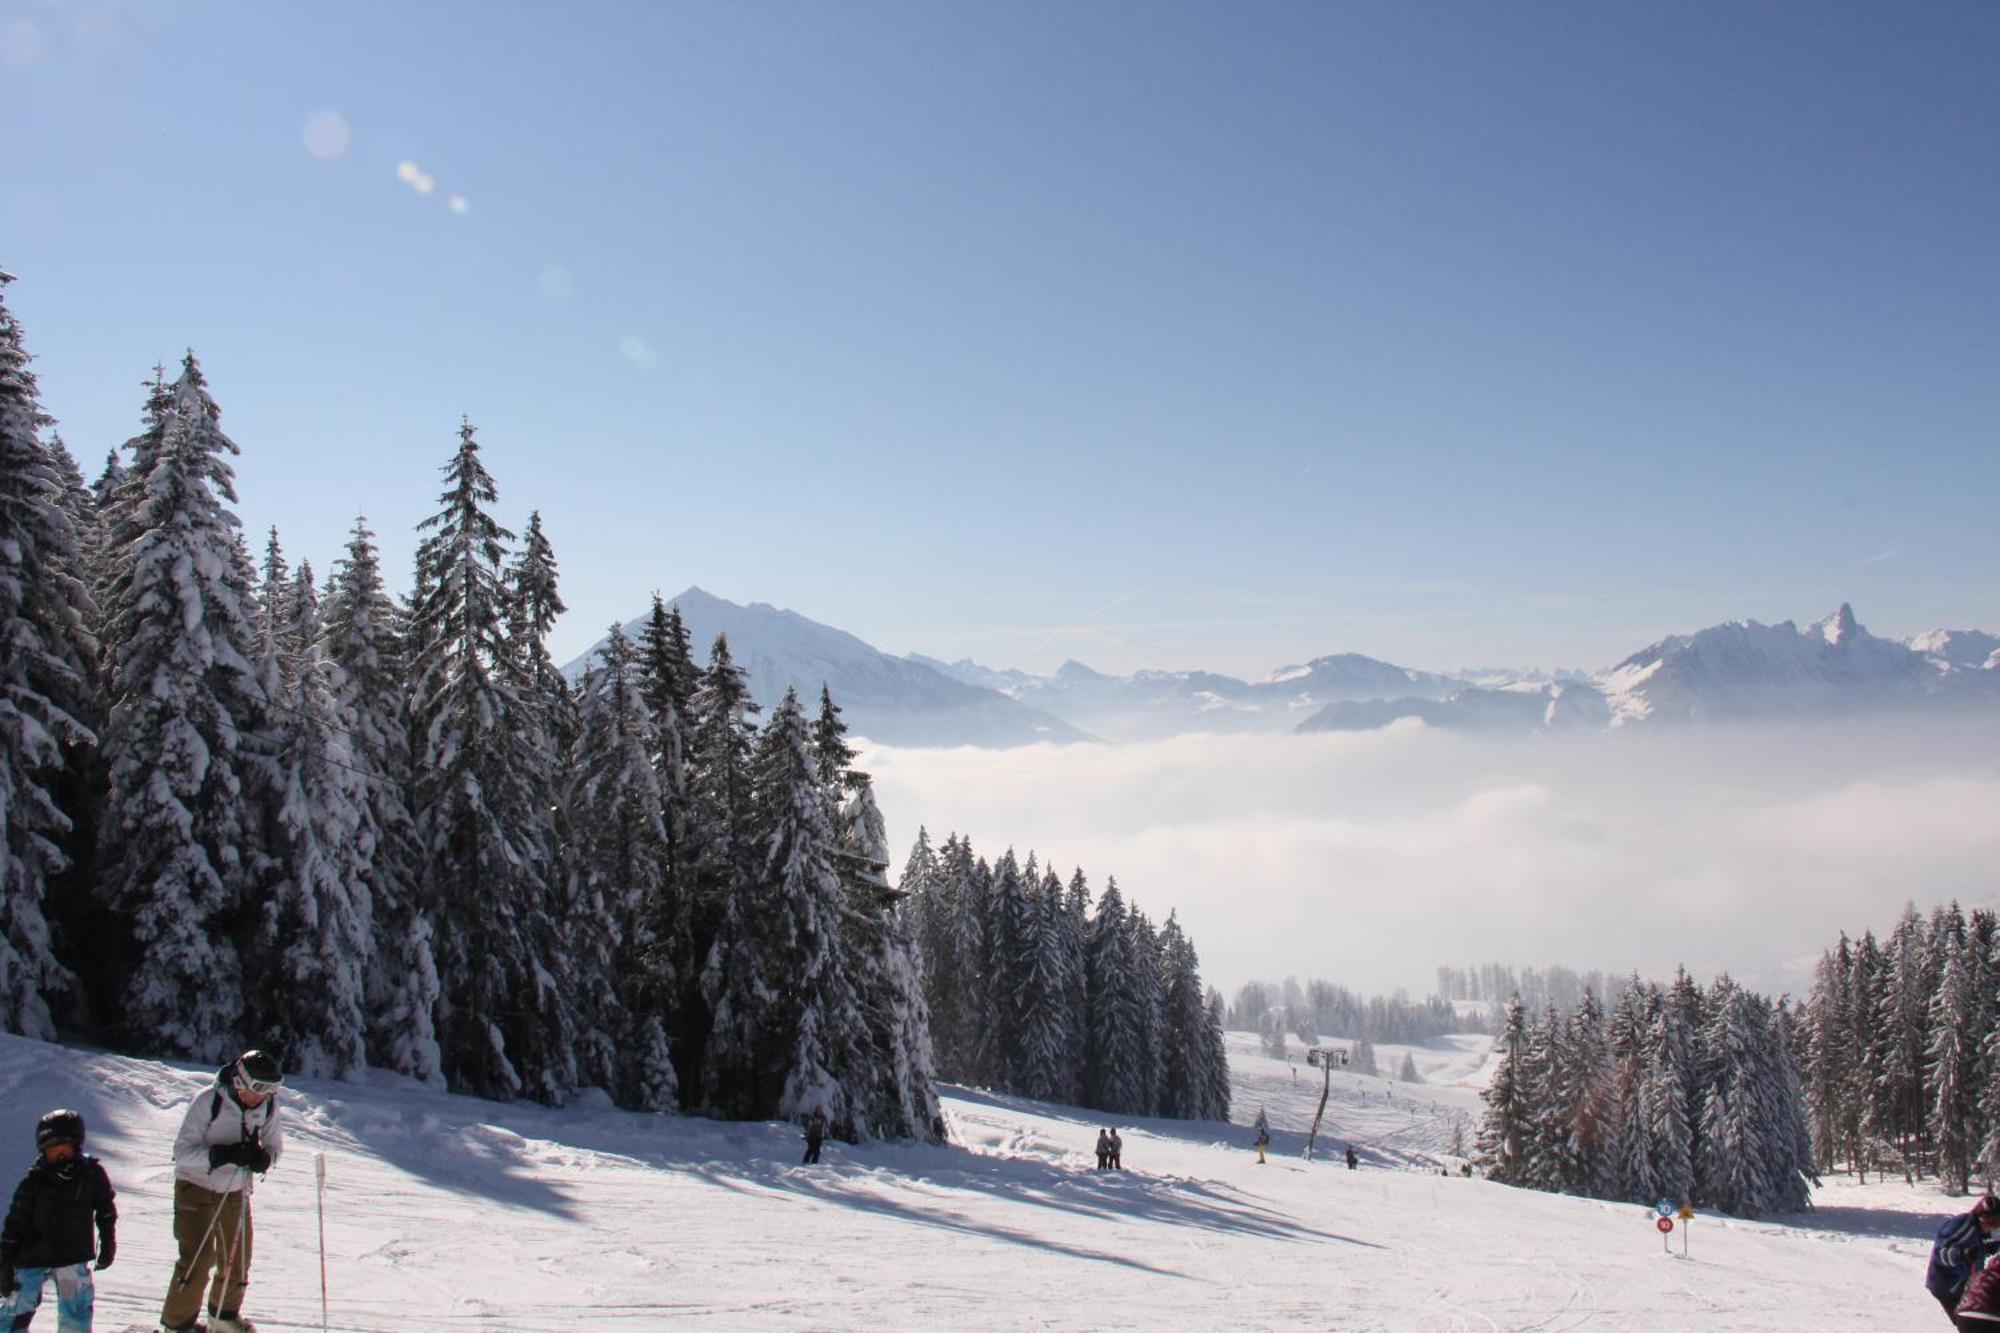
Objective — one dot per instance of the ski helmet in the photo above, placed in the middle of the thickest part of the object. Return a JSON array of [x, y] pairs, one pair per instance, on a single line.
[[61, 1126], [258, 1071]]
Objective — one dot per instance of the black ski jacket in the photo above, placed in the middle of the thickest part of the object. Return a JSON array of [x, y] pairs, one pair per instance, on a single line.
[[56, 1207]]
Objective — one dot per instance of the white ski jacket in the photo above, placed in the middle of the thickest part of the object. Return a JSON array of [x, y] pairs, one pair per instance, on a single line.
[[214, 1118]]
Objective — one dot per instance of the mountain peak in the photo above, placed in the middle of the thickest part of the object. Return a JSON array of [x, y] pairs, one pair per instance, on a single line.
[[1840, 627]]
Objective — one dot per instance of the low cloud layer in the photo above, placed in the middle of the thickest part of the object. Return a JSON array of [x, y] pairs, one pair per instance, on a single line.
[[1372, 858]]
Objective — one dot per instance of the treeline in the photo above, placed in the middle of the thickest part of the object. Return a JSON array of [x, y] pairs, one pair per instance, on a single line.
[[1901, 1050], [237, 806], [1033, 991], [1682, 1094], [1322, 1007], [1496, 983]]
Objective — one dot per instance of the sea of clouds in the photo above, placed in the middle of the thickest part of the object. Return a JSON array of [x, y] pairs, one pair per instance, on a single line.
[[1371, 858]]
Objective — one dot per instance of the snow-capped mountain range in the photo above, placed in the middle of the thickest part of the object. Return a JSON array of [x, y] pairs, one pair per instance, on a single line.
[[1739, 670], [882, 697]]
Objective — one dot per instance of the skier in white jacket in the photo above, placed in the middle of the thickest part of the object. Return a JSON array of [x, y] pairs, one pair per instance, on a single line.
[[230, 1133]]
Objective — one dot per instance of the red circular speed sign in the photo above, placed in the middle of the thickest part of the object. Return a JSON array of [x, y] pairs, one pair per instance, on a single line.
[[1664, 1225]]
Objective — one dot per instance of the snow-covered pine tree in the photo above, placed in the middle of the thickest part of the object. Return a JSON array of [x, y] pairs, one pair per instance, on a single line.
[[45, 649], [983, 999], [481, 807], [1788, 1150], [1546, 1076], [1902, 1017], [723, 865], [1830, 1064], [1076, 977], [1010, 961], [1407, 1071], [1363, 1059], [811, 1017], [180, 832], [619, 875], [1586, 1097], [897, 1086], [1044, 1014], [1503, 1142], [1184, 1075], [1147, 993], [1954, 1060], [306, 993], [1114, 1079], [361, 637], [533, 604], [947, 955], [1218, 1060], [1669, 1130]]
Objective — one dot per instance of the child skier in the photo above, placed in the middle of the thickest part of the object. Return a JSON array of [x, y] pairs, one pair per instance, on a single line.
[[47, 1238]]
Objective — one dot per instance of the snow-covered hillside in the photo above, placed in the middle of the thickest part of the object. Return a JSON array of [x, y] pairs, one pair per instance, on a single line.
[[446, 1212]]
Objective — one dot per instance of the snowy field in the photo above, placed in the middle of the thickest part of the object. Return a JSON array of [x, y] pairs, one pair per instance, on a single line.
[[449, 1213]]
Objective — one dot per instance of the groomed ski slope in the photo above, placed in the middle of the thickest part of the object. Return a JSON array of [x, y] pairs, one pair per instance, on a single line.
[[448, 1213]]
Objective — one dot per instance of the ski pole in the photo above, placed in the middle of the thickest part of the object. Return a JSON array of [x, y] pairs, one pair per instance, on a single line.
[[319, 1170]]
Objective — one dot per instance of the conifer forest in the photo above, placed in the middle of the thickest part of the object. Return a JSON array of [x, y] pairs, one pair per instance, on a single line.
[[247, 804]]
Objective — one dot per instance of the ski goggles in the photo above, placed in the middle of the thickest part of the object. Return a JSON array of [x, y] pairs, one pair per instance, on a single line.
[[263, 1087]]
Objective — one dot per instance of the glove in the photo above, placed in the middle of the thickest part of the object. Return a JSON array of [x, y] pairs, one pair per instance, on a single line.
[[255, 1156], [8, 1286], [107, 1246], [224, 1154]]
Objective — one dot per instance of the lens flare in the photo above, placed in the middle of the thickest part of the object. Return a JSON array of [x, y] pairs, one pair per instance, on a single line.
[[636, 350], [459, 206], [327, 135]]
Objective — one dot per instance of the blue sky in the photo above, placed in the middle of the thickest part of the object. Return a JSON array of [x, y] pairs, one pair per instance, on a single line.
[[1154, 335]]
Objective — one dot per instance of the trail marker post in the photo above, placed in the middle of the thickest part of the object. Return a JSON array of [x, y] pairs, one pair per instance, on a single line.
[[1687, 1216], [319, 1171]]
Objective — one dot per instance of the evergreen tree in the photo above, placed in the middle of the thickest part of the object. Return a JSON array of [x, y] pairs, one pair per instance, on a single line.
[[481, 809], [45, 651], [1954, 1066], [307, 994], [1044, 1014], [896, 1084], [186, 704], [361, 641], [724, 863], [1503, 1142], [620, 874], [1114, 1080], [786, 1016]]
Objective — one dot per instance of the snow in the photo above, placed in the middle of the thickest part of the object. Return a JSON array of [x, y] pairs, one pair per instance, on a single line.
[[444, 1211]]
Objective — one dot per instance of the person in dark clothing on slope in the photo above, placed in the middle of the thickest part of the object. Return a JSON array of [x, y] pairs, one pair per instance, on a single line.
[[1979, 1308], [1352, 1160], [1963, 1243], [815, 1135], [1103, 1149], [60, 1207], [1117, 1161]]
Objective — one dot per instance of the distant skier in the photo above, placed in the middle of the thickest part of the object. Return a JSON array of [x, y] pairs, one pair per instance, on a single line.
[[230, 1132], [1961, 1246], [1117, 1150], [47, 1237], [1352, 1160], [1103, 1149], [1263, 1134], [815, 1135]]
